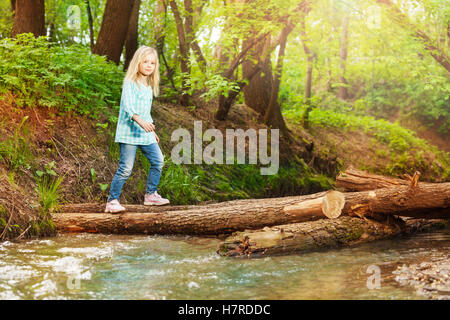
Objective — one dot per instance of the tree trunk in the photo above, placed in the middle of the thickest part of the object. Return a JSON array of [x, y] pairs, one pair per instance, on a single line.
[[91, 24], [225, 103], [13, 5], [113, 31], [131, 42], [213, 219], [316, 235], [310, 56], [343, 92], [430, 201], [29, 17], [257, 92], [403, 20], [159, 25], [190, 33], [184, 52], [357, 180], [273, 116]]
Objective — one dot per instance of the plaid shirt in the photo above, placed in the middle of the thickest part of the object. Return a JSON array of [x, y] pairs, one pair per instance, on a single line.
[[136, 99]]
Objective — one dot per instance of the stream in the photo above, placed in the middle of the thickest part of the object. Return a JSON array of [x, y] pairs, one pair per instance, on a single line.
[[93, 266]]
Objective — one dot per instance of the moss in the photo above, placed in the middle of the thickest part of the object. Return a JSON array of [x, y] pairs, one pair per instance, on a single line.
[[354, 234]]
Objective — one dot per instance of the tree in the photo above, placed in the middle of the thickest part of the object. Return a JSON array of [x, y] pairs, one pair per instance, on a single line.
[[184, 47], [29, 17], [91, 24], [402, 19], [273, 116], [310, 56], [187, 41], [113, 31], [131, 41], [343, 92], [258, 91]]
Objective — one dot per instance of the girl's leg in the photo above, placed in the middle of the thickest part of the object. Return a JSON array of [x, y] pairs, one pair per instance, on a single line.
[[156, 159], [127, 155]]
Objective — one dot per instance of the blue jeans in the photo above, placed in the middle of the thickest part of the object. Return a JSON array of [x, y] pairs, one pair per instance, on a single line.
[[127, 155]]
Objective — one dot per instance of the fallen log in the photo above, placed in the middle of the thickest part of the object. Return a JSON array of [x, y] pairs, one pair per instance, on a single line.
[[213, 219], [429, 201], [317, 235], [357, 180]]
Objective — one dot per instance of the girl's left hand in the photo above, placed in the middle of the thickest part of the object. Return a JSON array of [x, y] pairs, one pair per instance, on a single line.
[[157, 138]]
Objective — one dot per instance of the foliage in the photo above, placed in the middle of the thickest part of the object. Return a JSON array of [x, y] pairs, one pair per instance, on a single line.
[[178, 185], [405, 147], [47, 76], [15, 150], [48, 188]]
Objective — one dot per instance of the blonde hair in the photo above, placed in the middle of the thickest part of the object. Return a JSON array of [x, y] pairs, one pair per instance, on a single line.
[[133, 68]]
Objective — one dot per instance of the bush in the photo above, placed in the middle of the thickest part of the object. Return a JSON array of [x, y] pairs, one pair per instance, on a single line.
[[65, 78]]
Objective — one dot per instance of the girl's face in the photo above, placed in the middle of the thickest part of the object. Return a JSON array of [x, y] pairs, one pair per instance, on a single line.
[[148, 65]]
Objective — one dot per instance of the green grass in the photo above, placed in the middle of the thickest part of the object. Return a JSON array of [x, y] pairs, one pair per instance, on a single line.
[[48, 189], [406, 150], [15, 151]]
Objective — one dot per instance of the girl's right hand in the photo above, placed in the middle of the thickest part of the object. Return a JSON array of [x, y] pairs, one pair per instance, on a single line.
[[147, 126]]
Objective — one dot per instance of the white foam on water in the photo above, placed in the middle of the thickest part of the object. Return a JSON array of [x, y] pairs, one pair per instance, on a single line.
[[89, 252], [155, 272], [198, 260], [8, 295], [14, 273], [70, 265], [45, 288], [193, 285], [26, 251], [47, 242]]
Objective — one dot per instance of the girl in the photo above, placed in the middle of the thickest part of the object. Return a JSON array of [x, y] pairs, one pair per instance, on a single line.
[[135, 128]]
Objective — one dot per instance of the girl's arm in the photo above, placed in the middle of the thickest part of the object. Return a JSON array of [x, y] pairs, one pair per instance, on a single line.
[[129, 102], [147, 126]]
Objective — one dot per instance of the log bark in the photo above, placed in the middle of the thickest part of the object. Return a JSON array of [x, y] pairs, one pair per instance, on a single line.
[[357, 180], [316, 235], [213, 219], [423, 201]]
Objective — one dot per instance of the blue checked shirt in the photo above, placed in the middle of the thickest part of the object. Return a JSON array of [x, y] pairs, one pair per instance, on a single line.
[[136, 99]]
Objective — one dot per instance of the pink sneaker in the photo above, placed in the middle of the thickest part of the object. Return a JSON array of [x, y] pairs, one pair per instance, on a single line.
[[154, 199], [114, 206]]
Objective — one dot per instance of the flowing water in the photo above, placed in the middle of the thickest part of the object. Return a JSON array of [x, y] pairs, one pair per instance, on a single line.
[[88, 266]]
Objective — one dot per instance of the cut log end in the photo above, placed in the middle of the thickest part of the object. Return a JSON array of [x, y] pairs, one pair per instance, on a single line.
[[332, 204]]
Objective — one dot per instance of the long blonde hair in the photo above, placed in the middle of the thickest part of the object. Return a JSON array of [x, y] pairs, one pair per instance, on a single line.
[[133, 68]]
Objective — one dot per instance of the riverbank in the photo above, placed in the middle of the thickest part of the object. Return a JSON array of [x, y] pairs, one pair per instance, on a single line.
[[431, 278]]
